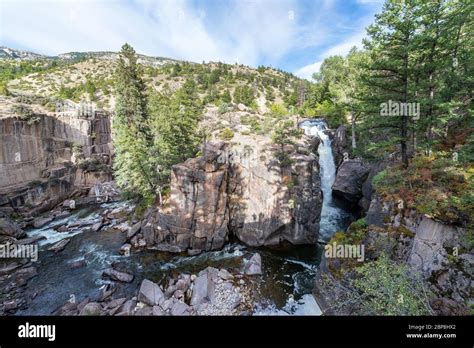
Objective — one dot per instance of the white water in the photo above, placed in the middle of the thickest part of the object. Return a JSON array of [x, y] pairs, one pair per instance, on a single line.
[[333, 218], [300, 302]]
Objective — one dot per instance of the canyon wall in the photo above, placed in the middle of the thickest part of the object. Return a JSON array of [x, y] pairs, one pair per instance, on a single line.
[[39, 157], [258, 201]]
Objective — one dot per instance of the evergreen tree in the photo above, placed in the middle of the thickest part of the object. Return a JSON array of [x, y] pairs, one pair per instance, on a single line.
[[226, 97], [134, 166], [391, 46]]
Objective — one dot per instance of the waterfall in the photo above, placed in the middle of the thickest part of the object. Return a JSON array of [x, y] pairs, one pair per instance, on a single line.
[[333, 217]]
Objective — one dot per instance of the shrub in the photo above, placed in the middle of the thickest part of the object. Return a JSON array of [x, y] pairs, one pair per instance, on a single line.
[[226, 134], [278, 110], [223, 108], [284, 159], [251, 121], [386, 288]]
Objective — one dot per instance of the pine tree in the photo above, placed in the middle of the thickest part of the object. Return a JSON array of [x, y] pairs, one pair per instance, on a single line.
[[173, 120], [391, 45], [134, 167]]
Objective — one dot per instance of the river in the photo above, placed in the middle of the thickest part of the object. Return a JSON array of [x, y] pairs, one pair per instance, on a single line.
[[288, 271]]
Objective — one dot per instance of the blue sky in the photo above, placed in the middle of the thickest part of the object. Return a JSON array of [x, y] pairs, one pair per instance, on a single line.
[[294, 35]]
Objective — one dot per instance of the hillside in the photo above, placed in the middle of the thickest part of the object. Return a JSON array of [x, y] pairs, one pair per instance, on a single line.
[[88, 77]]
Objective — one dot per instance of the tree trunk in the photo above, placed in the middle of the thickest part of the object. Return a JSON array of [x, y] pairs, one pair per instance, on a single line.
[[404, 120], [160, 198], [353, 126]]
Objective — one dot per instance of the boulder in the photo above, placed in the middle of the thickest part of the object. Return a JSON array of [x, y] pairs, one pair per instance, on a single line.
[[97, 225], [59, 246], [254, 265], [127, 308], [30, 240], [78, 264], [120, 276], [350, 177], [157, 311], [144, 311], [125, 249], [168, 304], [428, 253], [92, 308], [10, 305], [241, 107], [376, 213], [69, 203], [180, 308], [225, 274], [203, 289], [150, 293], [132, 231], [10, 228], [116, 302], [63, 228], [41, 221], [61, 214]]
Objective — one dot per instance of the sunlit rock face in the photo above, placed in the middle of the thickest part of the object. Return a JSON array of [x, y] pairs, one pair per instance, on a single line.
[[38, 158]]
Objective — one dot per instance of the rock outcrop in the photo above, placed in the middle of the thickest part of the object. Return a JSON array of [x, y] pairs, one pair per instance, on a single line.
[[440, 254], [10, 229], [39, 160], [258, 201], [198, 213], [340, 144], [350, 178]]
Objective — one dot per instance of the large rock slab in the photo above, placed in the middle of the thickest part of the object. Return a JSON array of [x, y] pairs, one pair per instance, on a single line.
[[118, 275], [203, 290], [30, 152], [350, 178], [258, 201], [41, 221], [150, 293], [10, 228], [254, 265]]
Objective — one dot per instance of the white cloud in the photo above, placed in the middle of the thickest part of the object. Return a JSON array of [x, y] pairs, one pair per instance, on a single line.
[[246, 31], [341, 49], [251, 32], [307, 71]]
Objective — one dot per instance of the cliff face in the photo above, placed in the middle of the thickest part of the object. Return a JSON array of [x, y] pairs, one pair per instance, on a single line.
[[37, 158], [257, 201]]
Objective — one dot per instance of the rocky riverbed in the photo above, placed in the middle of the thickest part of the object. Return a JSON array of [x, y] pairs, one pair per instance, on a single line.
[[91, 262]]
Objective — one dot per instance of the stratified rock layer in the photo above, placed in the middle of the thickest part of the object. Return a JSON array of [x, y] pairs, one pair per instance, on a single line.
[[38, 157]]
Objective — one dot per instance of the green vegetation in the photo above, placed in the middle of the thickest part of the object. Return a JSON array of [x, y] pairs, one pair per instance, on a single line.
[[418, 53], [278, 110], [244, 95], [76, 92], [386, 288], [226, 134], [251, 121], [151, 133], [284, 134], [435, 185], [134, 164], [25, 113]]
